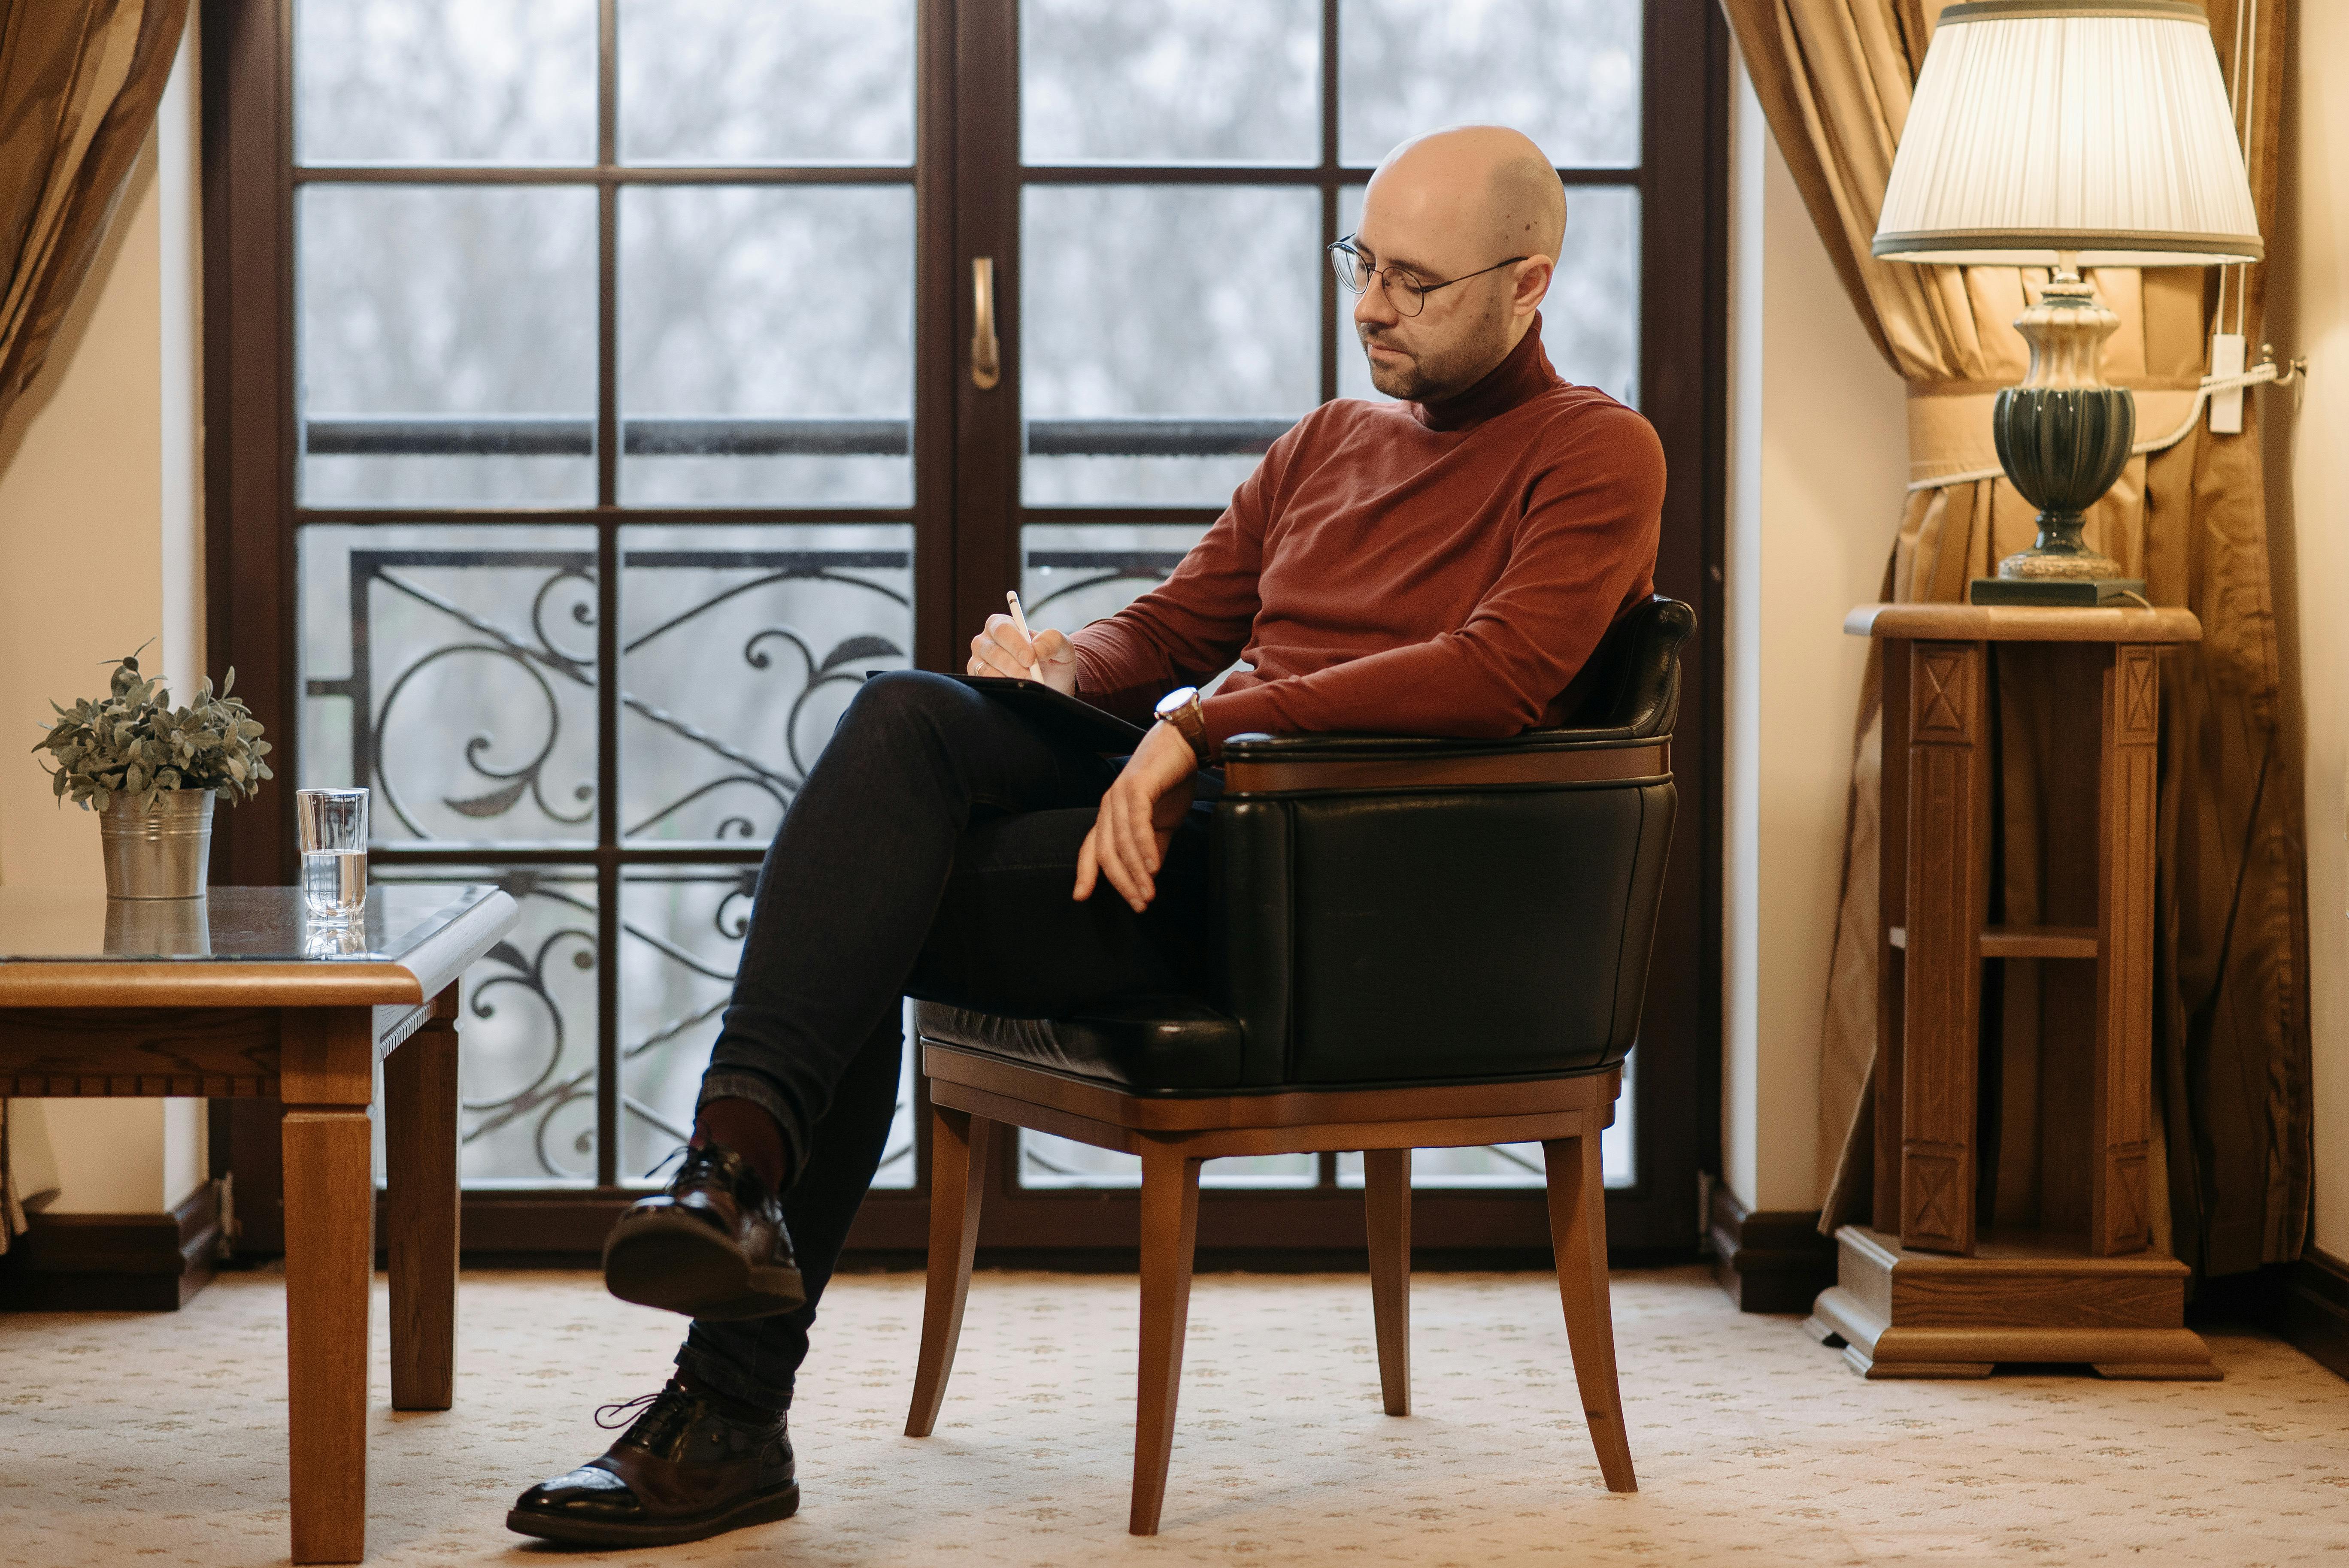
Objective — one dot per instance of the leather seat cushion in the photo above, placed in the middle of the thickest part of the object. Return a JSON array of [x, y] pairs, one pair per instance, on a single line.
[[1145, 1043]]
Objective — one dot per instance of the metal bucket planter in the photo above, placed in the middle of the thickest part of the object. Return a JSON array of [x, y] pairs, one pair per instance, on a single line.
[[165, 851]]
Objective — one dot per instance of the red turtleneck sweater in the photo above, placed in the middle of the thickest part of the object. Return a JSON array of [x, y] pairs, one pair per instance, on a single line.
[[1405, 568]]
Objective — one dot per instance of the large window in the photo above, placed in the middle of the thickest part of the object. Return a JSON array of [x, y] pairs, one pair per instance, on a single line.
[[604, 377], [617, 399]]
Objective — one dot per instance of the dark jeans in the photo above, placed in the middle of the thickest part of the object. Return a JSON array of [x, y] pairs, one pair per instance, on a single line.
[[930, 854]]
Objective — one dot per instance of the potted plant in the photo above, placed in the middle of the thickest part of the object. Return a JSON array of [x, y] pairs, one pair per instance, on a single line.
[[150, 771]]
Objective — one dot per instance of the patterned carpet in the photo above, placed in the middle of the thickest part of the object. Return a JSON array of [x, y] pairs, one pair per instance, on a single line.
[[135, 1437]]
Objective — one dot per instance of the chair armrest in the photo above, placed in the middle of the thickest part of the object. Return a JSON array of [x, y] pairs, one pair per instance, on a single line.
[[1256, 765]]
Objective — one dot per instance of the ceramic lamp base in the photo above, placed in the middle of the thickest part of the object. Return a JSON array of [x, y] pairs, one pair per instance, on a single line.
[[2058, 564], [2062, 438]]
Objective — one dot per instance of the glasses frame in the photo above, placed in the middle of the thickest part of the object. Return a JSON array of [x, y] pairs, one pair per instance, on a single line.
[[1345, 260]]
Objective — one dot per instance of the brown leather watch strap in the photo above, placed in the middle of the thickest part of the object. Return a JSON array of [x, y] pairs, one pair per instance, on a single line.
[[1191, 723]]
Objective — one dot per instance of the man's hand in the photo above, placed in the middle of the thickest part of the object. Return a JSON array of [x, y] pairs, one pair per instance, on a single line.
[[1138, 817], [1000, 650]]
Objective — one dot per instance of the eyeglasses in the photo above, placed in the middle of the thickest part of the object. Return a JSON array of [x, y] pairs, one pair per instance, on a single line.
[[1404, 291]]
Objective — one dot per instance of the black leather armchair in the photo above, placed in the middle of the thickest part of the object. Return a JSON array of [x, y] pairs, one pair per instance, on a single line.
[[1423, 942]]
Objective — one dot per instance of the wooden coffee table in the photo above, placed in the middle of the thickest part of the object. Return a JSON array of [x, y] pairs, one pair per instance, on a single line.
[[238, 994]]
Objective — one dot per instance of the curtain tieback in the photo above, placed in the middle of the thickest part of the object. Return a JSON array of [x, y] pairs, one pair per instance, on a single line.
[[1950, 440]]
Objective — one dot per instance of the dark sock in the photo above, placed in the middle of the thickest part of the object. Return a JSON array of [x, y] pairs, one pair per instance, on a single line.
[[746, 1128], [726, 1404]]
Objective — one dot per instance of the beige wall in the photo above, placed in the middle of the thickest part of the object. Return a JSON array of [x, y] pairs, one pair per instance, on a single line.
[[2308, 500], [1819, 446], [101, 550]]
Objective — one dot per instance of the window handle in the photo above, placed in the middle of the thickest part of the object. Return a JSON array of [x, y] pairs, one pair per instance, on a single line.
[[986, 360]]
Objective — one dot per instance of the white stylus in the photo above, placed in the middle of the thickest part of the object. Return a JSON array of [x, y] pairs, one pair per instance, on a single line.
[[1019, 619]]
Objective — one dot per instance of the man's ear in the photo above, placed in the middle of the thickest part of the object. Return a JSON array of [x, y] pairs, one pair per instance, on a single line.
[[1532, 282]]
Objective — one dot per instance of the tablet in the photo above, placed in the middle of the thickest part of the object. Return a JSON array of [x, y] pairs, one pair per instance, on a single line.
[[1060, 716]]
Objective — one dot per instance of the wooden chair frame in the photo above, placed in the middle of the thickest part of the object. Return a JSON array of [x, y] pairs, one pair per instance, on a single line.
[[970, 1094]]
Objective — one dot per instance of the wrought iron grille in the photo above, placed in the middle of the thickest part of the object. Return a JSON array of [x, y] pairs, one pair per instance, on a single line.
[[533, 650], [530, 435], [470, 673], [466, 698]]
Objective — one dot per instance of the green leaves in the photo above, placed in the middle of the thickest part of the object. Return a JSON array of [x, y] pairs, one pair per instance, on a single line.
[[134, 743]]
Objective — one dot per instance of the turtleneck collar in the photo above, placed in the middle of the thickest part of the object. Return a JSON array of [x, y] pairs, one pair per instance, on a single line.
[[1524, 372]]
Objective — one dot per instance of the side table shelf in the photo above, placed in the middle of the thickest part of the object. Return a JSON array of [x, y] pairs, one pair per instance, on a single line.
[[1927, 1290], [2025, 940]]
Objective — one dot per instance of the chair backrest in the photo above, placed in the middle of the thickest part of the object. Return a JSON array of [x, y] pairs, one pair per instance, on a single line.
[[1633, 678]]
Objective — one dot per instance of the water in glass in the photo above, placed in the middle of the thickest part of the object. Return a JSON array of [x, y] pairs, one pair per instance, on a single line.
[[333, 828], [333, 881]]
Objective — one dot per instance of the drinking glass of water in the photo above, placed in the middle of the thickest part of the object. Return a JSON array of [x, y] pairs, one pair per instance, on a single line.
[[333, 851]]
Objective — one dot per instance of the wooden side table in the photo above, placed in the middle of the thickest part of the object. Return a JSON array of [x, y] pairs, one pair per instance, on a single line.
[[1927, 1290], [236, 994]]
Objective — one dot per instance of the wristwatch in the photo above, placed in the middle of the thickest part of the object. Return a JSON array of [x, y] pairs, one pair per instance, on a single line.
[[1180, 707]]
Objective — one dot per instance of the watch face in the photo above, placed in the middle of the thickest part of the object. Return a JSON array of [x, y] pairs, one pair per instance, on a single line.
[[1176, 701]]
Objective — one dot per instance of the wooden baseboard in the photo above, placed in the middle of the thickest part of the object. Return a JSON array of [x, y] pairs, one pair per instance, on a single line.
[[114, 1263], [1768, 1261], [2314, 1313]]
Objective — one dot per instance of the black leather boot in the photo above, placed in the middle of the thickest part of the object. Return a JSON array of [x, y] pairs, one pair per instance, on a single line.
[[685, 1469], [713, 1245]]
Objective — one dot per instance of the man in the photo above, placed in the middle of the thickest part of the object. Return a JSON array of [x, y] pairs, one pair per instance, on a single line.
[[1441, 565]]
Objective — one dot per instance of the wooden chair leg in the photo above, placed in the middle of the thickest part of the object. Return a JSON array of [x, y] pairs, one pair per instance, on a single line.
[[1386, 1184], [1169, 1229], [420, 1110], [1578, 1233], [959, 1146]]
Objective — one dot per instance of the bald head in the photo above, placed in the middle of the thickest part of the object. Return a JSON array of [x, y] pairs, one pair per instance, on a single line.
[[1456, 205], [1489, 185]]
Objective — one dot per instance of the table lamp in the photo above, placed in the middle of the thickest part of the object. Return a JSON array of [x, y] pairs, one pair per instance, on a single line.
[[2065, 134]]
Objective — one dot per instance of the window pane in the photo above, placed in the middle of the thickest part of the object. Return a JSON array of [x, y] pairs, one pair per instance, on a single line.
[[452, 671], [750, 81], [1046, 1162], [1168, 336], [1070, 573], [444, 81], [1515, 1164], [767, 345], [1590, 322], [681, 938], [742, 646], [1565, 72], [444, 330], [526, 1076], [1183, 81]]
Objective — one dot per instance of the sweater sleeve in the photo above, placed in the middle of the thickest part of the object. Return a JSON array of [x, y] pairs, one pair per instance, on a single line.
[[1587, 541], [1196, 622]]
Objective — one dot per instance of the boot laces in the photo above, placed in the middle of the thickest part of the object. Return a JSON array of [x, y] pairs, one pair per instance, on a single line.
[[700, 1161], [611, 1417]]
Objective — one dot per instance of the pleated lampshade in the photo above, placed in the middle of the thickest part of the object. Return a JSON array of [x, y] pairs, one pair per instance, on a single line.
[[2099, 127]]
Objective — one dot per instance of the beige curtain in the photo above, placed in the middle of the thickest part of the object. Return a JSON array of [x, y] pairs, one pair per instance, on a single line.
[[1834, 77], [80, 80]]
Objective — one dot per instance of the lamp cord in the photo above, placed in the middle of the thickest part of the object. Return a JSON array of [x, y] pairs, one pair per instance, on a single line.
[[2249, 97], [2266, 373]]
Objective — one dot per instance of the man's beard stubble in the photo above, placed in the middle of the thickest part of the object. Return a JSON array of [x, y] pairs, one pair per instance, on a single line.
[[1446, 371]]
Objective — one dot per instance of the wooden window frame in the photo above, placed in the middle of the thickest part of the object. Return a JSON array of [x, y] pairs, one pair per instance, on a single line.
[[967, 518]]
